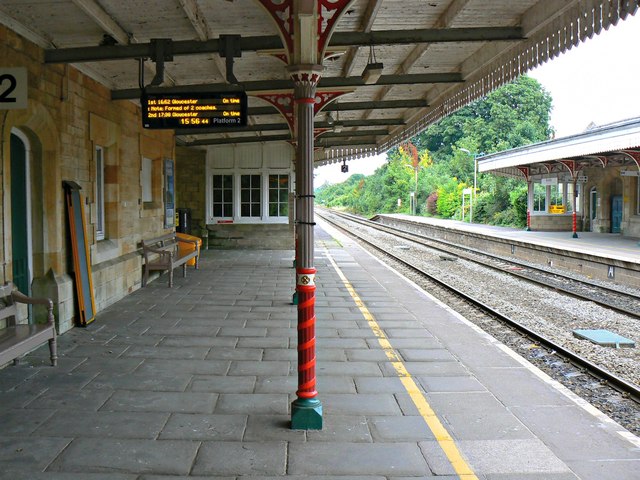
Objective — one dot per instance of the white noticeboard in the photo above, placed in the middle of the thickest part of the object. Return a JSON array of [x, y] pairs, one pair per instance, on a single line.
[[549, 181], [13, 88]]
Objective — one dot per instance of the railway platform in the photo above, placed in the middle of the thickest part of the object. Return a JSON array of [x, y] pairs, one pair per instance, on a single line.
[[196, 382], [602, 256]]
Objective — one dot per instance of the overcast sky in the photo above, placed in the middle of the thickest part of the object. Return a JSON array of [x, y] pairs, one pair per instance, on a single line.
[[596, 82]]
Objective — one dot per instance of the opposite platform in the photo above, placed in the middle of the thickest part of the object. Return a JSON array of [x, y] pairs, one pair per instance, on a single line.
[[606, 245], [602, 256], [196, 382]]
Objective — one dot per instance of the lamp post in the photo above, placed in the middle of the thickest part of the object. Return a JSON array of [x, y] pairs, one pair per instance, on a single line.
[[414, 195], [415, 189], [475, 176]]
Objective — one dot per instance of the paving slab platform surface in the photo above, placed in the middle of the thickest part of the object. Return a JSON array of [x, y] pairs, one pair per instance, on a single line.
[[197, 381]]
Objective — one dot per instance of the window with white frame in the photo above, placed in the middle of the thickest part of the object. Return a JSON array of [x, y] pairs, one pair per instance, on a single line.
[[578, 195], [278, 195], [222, 193], [555, 197], [99, 193], [250, 195], [539, 198], [257, 181]]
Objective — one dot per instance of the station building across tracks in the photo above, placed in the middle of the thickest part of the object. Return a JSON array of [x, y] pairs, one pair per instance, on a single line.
[[118, 117], [594, 175]]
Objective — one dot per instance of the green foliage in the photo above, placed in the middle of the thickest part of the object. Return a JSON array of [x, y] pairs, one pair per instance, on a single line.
[[514, 115], [341, 194], [450, 198]]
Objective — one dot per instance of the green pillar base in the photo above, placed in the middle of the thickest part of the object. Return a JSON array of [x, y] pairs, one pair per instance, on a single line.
[[528, 229], [306, 414], [294, 263], [575, 235], [294, 299]]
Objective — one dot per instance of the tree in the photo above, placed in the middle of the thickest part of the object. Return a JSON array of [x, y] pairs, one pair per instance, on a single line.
[[514, 115]]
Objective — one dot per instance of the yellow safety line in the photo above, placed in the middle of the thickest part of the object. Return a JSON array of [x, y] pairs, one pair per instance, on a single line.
[[440, 433]]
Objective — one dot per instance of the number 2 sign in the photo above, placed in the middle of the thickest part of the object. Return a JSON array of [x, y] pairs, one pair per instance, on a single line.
[[13, 88]]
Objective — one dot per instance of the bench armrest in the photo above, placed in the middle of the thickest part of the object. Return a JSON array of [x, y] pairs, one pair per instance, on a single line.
[[159, 251], [19, 297]]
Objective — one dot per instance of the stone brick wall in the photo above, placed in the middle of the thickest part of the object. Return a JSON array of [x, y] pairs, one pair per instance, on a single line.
[[68, 114], [258, 236], [554, 223], [190, 184]]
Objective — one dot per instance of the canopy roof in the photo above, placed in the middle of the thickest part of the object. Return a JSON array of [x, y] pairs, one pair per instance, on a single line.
[[436, 56], [616, 144]]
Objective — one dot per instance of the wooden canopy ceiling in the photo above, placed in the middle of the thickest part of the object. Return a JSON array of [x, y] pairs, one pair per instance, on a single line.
[[436, 56]]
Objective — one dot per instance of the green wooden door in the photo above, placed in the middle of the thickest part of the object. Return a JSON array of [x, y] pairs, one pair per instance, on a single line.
[[593, 205], [616, 213], [19, 234]]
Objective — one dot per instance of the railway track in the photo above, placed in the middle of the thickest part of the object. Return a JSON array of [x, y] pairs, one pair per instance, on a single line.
[[626, 388], [613, 298]]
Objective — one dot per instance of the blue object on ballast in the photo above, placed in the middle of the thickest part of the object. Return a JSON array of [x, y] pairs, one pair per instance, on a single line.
[[605, 338]]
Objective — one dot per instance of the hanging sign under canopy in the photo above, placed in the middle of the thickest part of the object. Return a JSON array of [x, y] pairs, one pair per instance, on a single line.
[[194, 110]]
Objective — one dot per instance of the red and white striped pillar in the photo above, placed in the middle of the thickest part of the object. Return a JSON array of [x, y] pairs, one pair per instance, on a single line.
[[306, 410]]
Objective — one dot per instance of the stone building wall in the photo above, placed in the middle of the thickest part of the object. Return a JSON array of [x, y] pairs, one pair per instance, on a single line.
[[607, 183], [68, 114], [554, 223], [190, 185]]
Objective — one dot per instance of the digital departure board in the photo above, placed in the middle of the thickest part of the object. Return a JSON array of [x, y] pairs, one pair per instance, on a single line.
[[194, 110]]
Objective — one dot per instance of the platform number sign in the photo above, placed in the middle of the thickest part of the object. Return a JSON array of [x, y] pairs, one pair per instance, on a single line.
[[13, 88]]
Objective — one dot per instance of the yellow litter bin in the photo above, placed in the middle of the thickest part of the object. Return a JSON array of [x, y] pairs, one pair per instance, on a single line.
[[184, 248]]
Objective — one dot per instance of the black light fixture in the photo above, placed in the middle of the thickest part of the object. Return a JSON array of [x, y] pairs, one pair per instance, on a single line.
[[330, 119], [337, 124], [373, 70], [107, 41]]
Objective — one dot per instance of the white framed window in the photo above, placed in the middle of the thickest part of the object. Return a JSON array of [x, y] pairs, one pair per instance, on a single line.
[[222, 193], [146, 180], [278, 195], [539, 198], [578, 195], [99, 193], [258, 181], [552, 196], [557, 197], [251, 195], [255, 196]]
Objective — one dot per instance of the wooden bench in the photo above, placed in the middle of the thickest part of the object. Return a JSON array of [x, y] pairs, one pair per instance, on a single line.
[[162, 253], [19, 339]]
